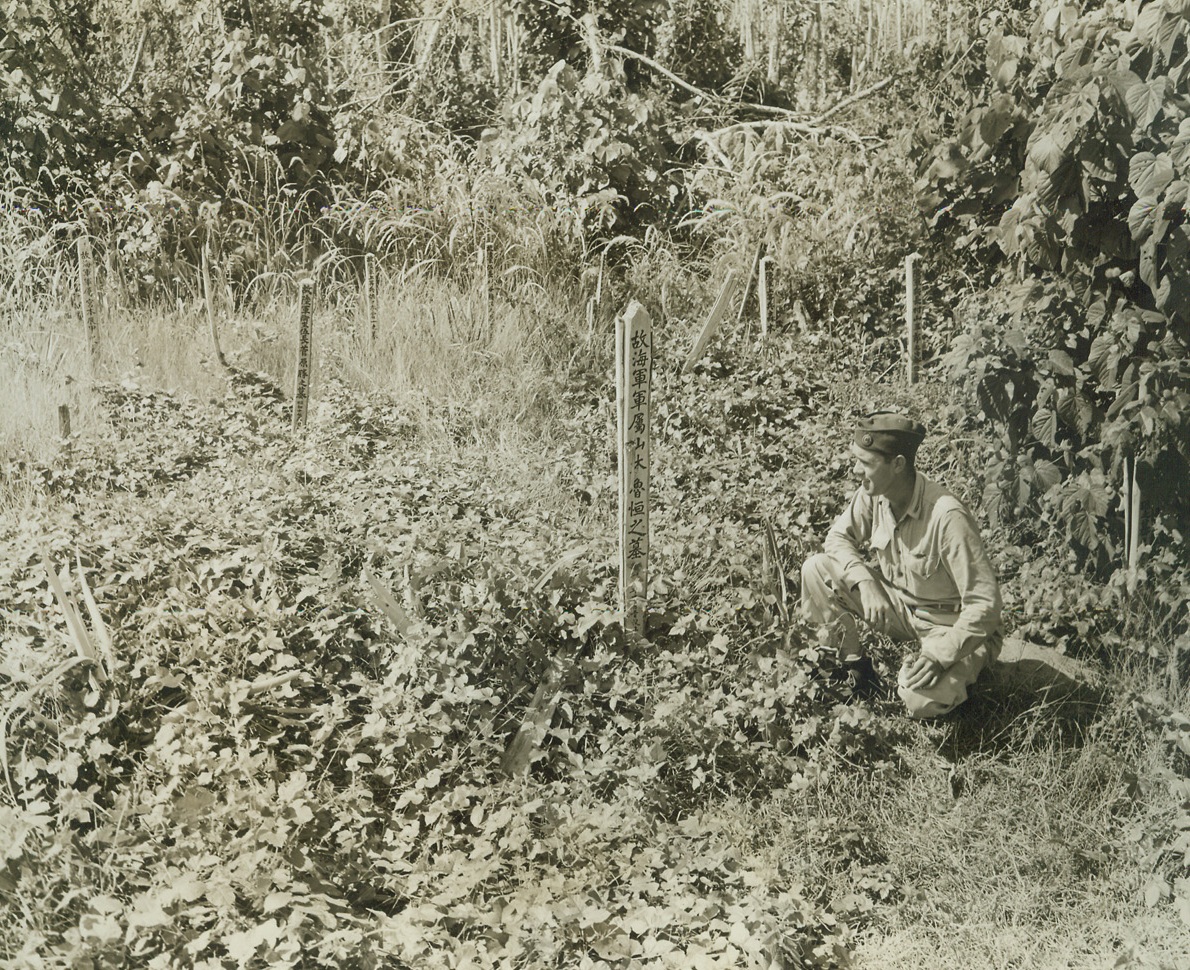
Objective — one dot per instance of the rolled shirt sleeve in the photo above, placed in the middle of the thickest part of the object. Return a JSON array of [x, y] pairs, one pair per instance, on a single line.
[[848, 537]]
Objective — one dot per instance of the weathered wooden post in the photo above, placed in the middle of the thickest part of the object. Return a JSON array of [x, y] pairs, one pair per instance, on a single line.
[[713, 321], [64, 426], [910, 322], [86, 298], [762, 294], [301, 390], [371, 308], [634, 370], [1132, 499], [209, 299], [748, 284]]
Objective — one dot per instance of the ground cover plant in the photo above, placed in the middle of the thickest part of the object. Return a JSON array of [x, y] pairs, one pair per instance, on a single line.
[[278, 769]]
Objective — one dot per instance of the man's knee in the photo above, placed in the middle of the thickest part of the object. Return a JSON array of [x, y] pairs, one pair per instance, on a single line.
[[816, 571], [924, 704]]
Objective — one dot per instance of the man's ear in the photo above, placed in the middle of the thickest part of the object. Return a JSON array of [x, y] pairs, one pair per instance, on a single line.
[[899, 463]]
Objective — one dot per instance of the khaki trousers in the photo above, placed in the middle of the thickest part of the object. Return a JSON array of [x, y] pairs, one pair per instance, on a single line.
[[826, 600]]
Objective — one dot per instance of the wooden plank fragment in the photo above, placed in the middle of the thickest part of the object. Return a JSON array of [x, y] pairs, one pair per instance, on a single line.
[[762, 293], [910, 320], [714, 318], [87, 299]]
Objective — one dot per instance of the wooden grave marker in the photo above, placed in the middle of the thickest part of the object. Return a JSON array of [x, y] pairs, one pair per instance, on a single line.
[[762, 294], [87, 298], [301, 390], [634, 371], [910, 321], [371, 307]]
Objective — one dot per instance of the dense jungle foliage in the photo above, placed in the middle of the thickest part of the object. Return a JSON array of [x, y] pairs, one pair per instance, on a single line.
[[257, 686]]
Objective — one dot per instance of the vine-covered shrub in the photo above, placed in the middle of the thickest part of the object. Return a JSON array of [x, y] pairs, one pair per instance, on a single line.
[[1075, 162]]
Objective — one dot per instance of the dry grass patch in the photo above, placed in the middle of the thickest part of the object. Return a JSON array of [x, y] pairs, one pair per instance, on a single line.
[[1005, 837]]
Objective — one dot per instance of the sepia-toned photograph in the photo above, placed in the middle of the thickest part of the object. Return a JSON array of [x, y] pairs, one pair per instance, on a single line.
[[594, 485]]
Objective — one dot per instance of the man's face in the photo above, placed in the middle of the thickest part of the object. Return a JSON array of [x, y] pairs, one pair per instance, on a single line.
[[874, 470]]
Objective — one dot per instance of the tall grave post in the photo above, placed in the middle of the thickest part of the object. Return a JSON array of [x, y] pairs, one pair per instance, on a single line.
[[634, 372]]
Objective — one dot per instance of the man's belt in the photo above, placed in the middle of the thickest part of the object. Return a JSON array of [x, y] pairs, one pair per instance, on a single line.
[[937, 607]]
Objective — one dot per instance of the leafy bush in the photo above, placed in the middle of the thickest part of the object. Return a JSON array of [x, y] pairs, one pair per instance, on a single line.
[[1072, 165]]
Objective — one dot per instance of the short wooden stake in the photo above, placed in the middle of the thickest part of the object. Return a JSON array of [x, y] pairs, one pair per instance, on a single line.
[[910, 322], [209, 300], [301, 390], [762, 294], [634, 338], [86, 298], [748, 285], [1132, 522], [621, 475], [713, 320], [64, 425]]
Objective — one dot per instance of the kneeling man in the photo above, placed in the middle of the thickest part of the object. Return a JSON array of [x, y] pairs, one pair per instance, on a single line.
[[932, 585]]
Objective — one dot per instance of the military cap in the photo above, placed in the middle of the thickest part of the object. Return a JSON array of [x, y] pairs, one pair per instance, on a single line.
[[888, 432]]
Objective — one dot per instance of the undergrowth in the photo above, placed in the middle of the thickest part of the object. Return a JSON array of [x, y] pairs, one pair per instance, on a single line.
[[322, 645]]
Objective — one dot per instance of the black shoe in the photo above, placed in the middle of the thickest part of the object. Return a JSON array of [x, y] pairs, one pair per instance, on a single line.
[[857, 680]]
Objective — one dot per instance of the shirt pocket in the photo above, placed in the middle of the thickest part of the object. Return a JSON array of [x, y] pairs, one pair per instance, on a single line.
[[921, 562], [926, 576]]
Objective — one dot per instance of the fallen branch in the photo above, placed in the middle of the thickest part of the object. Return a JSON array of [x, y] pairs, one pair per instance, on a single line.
[[140, 49], [786, 114], [649, 62], [261, 684], [852, 99]]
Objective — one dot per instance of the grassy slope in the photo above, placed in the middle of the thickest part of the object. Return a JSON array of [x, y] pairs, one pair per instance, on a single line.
[[1000, 839]]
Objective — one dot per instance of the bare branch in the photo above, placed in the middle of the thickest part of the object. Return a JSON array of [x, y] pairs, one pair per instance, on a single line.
[[849, 101], [140, 49]]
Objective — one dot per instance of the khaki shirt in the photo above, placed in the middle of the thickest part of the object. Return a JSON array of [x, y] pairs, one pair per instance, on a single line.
[[933, 557]]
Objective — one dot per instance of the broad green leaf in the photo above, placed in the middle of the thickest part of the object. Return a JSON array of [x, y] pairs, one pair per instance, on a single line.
[[1076, 411], [1044, 427], [1140, 218], [1048, 474], [1062, 363], [1104, 359], [1144, 101], [1073, 57], [1101, 159], [1148, 266], [1148, 23], [1096, 314], [995, 121], [1158, 28], [1156, 890], [1121, 83], [1149, 174], [1047, 152]]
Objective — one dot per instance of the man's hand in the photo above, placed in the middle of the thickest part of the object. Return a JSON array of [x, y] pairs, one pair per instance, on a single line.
[[877, 607], [920, 673]]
